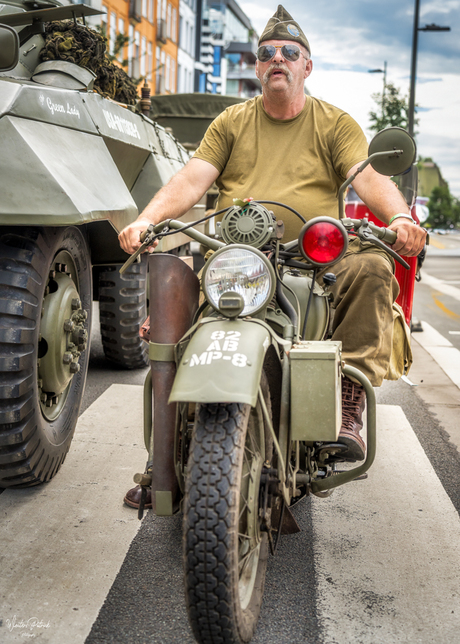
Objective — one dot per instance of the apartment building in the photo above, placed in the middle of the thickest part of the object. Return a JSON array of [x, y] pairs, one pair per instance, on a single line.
[[228, 51], [182, 46], [144, 35]]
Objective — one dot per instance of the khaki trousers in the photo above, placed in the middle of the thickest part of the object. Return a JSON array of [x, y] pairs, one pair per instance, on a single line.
[[363, 316]]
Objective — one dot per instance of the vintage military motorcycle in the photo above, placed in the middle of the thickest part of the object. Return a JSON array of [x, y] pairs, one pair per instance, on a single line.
[[247, 393]]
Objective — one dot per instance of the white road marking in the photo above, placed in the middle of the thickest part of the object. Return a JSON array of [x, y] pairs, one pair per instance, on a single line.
[[63, 543], [440, 285], [387, 550], [408, 381], [442, 350]]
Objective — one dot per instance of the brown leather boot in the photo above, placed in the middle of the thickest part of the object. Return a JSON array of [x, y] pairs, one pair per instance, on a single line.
[[353, 402], [133, 498]]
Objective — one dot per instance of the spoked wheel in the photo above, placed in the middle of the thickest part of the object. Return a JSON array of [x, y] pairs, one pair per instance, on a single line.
[[225, 551], [45, 309], [122, 311]]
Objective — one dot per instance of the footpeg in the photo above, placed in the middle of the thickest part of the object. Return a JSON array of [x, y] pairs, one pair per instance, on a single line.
[[330, 452], [363, 477]]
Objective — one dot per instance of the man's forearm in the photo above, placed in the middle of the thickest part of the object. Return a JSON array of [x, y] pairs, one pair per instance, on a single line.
[[380, 194], [182, 192], [173, 200], [383, 198]]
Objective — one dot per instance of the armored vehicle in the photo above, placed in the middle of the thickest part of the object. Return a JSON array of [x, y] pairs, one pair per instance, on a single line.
[[189, 115], [75, 168]]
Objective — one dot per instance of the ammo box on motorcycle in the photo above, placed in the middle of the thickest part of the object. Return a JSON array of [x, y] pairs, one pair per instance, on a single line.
[[316, 400]]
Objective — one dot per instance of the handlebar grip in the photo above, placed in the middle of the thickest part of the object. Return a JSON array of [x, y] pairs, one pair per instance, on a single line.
[[389, 236], [146, 232]]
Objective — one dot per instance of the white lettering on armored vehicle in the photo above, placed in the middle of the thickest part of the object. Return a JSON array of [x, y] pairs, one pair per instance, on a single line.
[[59, 108], [115, 122]]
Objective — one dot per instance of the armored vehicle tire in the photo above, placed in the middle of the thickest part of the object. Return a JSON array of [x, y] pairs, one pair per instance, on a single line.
[[122, 311], [45, 311], [225, 552]]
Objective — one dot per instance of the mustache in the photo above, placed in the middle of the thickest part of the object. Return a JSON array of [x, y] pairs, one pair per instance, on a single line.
[[274, 67]]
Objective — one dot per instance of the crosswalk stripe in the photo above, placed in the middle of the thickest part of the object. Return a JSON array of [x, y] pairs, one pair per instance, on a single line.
[[64, 542], [387, 552]]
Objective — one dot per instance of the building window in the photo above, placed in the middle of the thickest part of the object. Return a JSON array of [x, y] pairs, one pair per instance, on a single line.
[[191, 47], [149, 60], [121, 32], [168, 22], [174, 25], [104, 21], [173, 75], [163, 67], [150, 16], [112, 32], [143, 56], [157, 70], [216, 65], [130, 49], [136, 61], [167, 72]]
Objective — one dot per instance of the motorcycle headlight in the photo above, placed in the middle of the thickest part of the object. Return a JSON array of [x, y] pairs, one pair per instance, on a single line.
[[241, 270]]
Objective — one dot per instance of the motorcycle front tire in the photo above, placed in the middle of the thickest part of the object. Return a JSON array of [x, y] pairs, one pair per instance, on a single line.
[[225, 553]]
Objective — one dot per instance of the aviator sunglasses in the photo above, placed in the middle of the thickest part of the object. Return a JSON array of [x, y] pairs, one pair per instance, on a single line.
[[288, 52]]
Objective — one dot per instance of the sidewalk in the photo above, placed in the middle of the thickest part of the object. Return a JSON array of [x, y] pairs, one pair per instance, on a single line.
[[436, 389]]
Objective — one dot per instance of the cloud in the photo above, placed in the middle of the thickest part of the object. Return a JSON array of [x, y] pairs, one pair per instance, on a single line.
[[429, 80]]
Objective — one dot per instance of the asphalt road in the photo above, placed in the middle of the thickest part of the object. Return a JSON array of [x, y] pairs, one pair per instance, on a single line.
[[379, 561], [438, 308]]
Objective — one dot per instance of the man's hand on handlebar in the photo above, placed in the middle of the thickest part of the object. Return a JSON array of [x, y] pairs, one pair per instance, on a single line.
[[129, 237], [411, 238]]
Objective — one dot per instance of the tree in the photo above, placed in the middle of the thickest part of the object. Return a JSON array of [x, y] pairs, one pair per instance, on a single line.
[[393, 109], [444, 209]]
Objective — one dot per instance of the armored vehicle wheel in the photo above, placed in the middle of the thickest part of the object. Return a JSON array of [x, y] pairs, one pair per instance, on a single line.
[[122, 310], [45, 308], [225, 551]]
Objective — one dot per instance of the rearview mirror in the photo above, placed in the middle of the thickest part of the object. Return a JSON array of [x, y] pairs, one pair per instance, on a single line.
[[9, 48], [392, 139]]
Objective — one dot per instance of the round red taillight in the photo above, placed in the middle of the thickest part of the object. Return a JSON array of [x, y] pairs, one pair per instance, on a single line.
[[323, 241]]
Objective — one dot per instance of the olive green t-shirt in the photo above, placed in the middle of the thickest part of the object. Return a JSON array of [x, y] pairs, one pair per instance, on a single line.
[[301, 161]]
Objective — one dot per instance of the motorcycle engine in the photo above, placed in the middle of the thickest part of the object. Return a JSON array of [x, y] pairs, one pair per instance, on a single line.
[[252, 225]]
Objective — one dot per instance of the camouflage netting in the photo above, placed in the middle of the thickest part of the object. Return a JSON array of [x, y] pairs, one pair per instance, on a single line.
[[75, 43]]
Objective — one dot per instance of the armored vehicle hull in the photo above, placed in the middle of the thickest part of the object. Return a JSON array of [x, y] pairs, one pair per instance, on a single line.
[[75, 169]]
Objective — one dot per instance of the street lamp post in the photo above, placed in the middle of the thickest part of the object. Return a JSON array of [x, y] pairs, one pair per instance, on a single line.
[[384, 72], [413, 72]]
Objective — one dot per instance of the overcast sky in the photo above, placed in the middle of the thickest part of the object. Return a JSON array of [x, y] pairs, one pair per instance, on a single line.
[[348, 38]]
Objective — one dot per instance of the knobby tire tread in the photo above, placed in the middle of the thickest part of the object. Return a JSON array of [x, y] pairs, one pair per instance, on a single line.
[[26, 457], [211, 526], [122, 311]]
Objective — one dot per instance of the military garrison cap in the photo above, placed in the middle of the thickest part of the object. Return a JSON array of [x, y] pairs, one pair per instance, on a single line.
[[281, 26]]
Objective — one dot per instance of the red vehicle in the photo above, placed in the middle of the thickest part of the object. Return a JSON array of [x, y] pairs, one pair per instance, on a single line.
[[357, 209]]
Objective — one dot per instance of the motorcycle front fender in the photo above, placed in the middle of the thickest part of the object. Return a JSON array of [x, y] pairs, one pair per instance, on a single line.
[[222, 363]]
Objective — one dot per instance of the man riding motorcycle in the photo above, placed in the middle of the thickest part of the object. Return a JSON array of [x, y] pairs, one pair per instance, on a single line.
[[289, 147]]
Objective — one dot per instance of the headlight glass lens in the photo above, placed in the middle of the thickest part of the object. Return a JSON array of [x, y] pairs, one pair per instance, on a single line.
[[240, 270]]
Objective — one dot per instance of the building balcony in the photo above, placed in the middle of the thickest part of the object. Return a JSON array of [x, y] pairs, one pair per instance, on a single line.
[[135, 10], [161, 31], [246, 50], [247, 72]]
